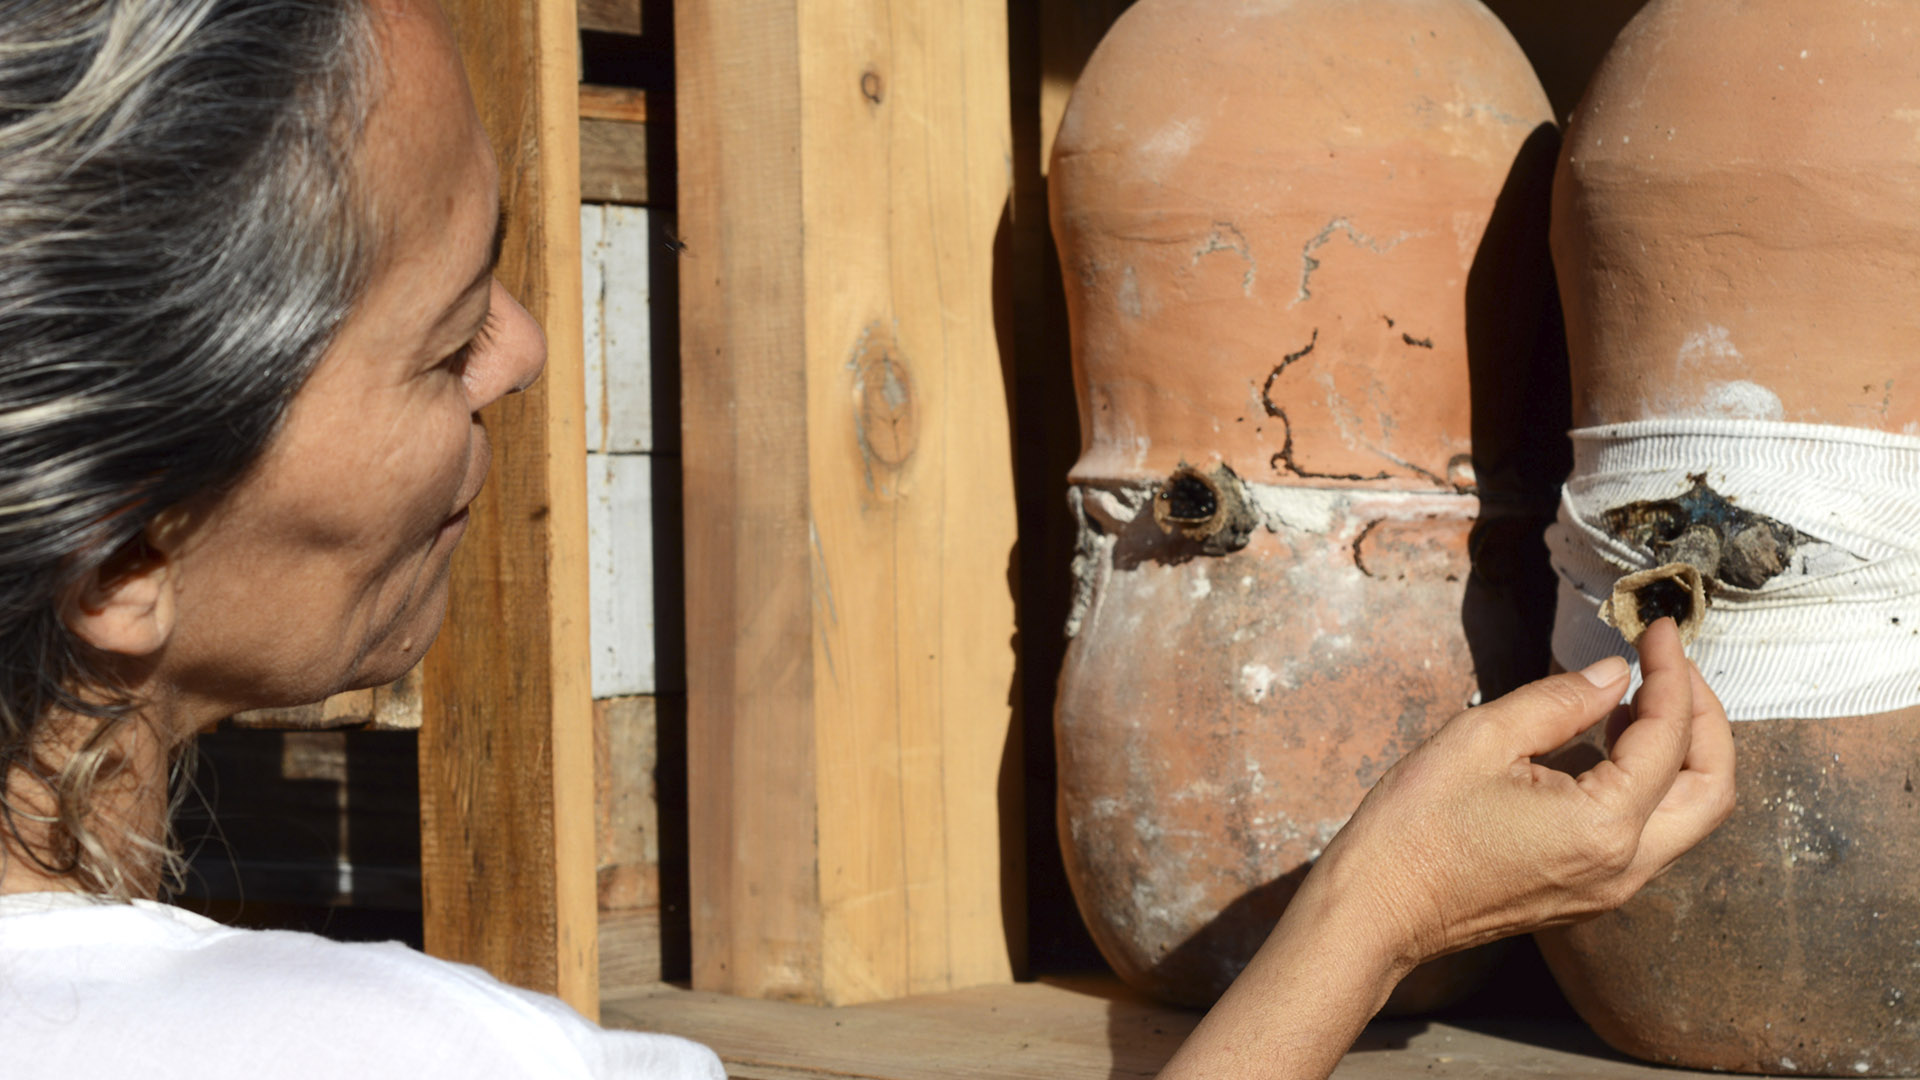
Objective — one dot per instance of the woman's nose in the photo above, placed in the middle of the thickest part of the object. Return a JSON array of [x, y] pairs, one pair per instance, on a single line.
[[513, 355]]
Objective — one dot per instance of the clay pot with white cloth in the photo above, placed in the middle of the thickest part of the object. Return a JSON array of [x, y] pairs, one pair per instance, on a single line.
[[1737, 238], [1288, 233]]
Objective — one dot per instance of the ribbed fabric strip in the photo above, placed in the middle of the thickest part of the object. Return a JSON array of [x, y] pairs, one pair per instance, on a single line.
[[1837, 634]]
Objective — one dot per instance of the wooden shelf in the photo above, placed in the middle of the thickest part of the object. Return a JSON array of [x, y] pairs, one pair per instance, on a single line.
[[1074, 1029]]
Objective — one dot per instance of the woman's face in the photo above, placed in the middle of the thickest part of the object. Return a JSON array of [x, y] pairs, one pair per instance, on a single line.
[[326, 567]]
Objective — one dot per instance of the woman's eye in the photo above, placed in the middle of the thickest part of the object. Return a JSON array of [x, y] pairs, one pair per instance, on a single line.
[[456, 361]]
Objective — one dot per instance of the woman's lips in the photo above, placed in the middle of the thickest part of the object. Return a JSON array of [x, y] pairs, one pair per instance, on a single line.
[[454, 527]]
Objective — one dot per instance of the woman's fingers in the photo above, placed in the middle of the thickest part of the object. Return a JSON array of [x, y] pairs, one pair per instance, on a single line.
[[1648, 754], [1542, 716], [1711, 751], [1702, 795]]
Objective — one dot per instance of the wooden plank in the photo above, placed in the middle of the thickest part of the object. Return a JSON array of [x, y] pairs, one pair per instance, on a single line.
[[622, 103], [1081, 1029], [506, 753], [620, 511], [849, 614], [394, 707], [627, 819], [627, 842], [754, 883], [614, 162], [1024, 1031], [625, 140], [615, 265], [612, 16], [593, 345], [630, 959], [907, 130], [615, 256]]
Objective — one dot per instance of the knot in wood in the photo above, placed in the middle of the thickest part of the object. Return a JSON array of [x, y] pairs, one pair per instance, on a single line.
[[885, 410]]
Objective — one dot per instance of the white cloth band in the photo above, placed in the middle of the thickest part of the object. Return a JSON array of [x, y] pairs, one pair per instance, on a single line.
[[1836, 634]]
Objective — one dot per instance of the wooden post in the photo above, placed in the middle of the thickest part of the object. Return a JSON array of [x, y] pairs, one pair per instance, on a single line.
[[506, 748], [853, 750]]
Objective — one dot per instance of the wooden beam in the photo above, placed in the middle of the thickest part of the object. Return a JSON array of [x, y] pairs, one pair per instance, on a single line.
[[614, 16], [1088, 1029], [613, 163], [393, 707], [506, 749], [622, 103], [744, 462], [1078, 1029], [849, 506], [626, 146]]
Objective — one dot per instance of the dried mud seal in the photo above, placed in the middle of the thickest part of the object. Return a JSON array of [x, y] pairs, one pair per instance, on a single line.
[[1675, 590]]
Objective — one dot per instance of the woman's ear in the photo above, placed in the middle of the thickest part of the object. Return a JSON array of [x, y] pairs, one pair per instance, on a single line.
[[126, 606]]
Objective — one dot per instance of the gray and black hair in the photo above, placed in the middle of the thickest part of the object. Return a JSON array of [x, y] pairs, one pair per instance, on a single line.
[[181, 236]]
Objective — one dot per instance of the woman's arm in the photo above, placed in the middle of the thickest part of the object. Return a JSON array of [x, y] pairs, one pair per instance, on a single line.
[[1466, 840]]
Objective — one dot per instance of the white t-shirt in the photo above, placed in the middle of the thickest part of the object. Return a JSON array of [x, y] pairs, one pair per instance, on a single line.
[[89, 990]]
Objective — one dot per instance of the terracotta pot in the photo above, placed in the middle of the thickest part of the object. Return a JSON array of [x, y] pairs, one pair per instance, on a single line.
[[1289, 232], [1737, 233]]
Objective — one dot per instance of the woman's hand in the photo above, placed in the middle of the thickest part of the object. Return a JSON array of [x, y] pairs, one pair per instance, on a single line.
[[1468, 839]]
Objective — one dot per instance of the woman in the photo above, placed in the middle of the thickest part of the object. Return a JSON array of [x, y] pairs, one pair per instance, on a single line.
[[247, 321]]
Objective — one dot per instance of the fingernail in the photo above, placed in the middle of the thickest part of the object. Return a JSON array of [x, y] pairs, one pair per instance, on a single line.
[[1606, 672]]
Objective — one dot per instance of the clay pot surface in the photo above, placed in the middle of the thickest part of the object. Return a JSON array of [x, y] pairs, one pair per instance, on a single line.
[[1736, 221], [1272, 221], [1737, 234], [1267, 216], [1789, 941]]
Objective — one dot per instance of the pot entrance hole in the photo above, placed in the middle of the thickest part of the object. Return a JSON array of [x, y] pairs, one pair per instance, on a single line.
[[1189, 499], [1210, 509], [1665, 598], [1673, 591]]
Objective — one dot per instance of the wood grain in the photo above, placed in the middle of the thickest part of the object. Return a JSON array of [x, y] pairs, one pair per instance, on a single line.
[[506, 754], [613, 16], [627, 819], [850, 518], [617, 250], [622, 103], [911, 473], [394, 707], [613, 163], [627, 842], [1080, 1029], [751, 817], [625, 146]]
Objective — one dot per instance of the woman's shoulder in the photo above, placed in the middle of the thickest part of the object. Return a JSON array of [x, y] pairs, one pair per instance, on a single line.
[[87, 983]]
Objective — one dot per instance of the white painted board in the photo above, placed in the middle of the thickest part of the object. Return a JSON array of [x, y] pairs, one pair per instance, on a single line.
[[620, 564], [592, 292], [618, 297]]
